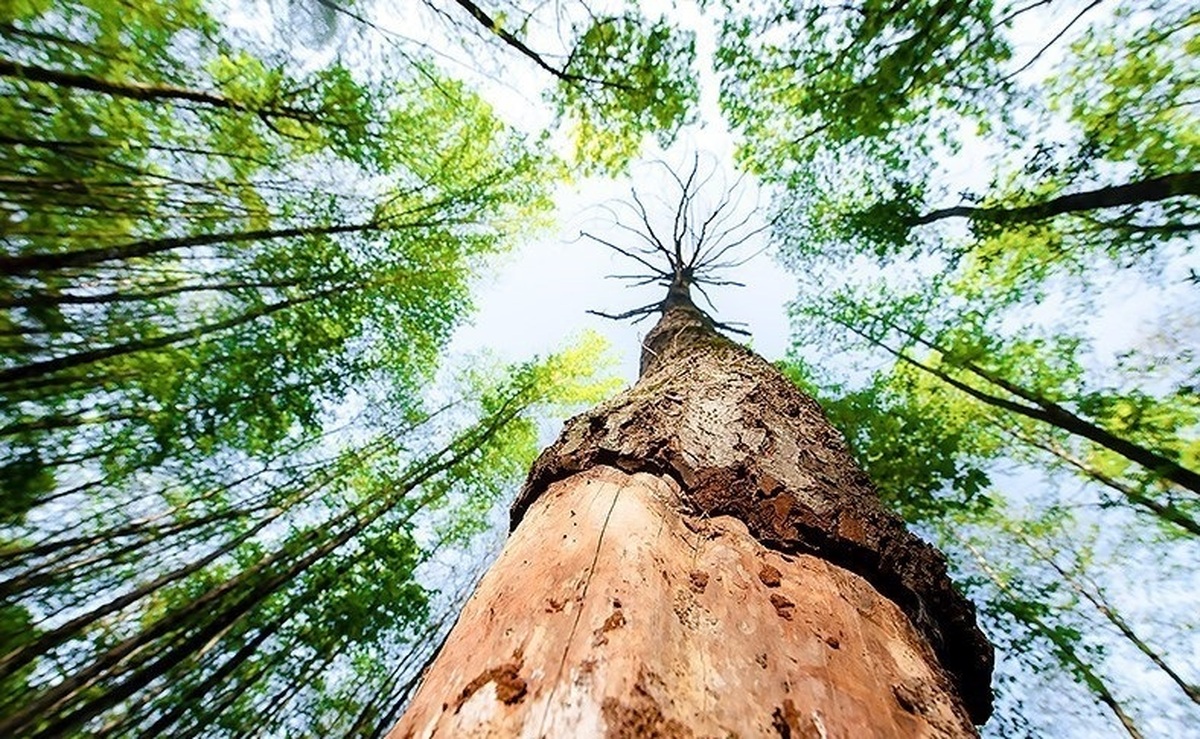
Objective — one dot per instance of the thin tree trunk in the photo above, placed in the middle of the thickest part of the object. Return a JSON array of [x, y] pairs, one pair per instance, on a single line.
[[700, 556], [194, 695], [1043, 410], [40, 262], [1065, 650], [49, 639], [1164, 511], [1092, 594], [141, 91], [402, 698], [216, 705], [261, 580], [42, 299], [72, 149], [35, 370], [1150, 190]]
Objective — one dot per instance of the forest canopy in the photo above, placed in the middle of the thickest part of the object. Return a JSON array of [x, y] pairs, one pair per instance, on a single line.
[[249, 475]]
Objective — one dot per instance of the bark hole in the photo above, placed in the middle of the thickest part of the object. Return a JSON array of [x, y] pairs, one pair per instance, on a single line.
[[783, 606], [612, 623], [790, 724], [510, 686], [770, 576], [641, 719], [910, 695]]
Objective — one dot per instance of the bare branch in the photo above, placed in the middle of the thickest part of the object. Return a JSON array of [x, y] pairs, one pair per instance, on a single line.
[[641, 209], [700, 245], [704, 294], [640, 281], [624, 252], [731, 327], [645, 310]]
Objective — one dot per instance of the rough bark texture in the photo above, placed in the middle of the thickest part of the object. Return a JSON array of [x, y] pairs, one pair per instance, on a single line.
[[610, 614], [741, 440], [727, 583]]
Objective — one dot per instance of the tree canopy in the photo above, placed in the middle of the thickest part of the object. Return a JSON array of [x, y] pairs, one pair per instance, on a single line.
[[241, 461]]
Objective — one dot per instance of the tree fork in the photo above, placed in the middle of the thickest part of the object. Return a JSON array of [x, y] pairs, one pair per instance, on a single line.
[[699, 556]]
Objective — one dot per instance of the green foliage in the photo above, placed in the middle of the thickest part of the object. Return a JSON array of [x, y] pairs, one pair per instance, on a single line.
[[173, 265], [626, 78], [1115, 115], [616, 77], [970, 404], [1036, 574], [922, 446], [980, 393], [872, 75], [1128, 91], [227, 284]]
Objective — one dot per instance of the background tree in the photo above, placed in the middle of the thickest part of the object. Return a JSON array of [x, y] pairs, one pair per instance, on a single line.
[[618, 75], [226, 283], [1000, 358]]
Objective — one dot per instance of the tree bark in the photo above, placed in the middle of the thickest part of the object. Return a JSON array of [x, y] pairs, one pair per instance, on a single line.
[[701, 557]]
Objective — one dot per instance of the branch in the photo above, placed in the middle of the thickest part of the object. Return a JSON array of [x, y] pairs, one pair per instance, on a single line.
[[640, 279], [730, 327], [561, 74], [142, 91], [641, 210], [1050, 43], [1148, 190], [625, 252], [644, 311]]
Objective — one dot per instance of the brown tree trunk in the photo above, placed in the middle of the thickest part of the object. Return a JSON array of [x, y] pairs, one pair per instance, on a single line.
[[701, 557], [1150, 190]]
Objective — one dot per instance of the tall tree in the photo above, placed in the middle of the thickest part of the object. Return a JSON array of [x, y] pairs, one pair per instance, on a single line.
[[798, 605]]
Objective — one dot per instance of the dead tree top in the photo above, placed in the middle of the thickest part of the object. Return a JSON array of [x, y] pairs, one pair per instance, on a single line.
[[705, 240]]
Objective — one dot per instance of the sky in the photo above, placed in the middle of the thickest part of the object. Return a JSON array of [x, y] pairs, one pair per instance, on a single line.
[[541, 294]]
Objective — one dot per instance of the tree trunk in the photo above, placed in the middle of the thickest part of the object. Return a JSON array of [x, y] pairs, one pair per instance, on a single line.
[[44, 262], [701, 557], [1150, 190]]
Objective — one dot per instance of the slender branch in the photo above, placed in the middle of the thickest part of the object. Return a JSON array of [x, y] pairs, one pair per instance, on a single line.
[[518, 45], [643, 311], [625, 252], [697, 249], [1148, 190], [142, 91], [1051, 42]]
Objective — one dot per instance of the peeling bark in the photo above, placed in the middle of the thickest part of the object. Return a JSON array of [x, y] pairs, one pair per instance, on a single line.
[[700, 556]]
